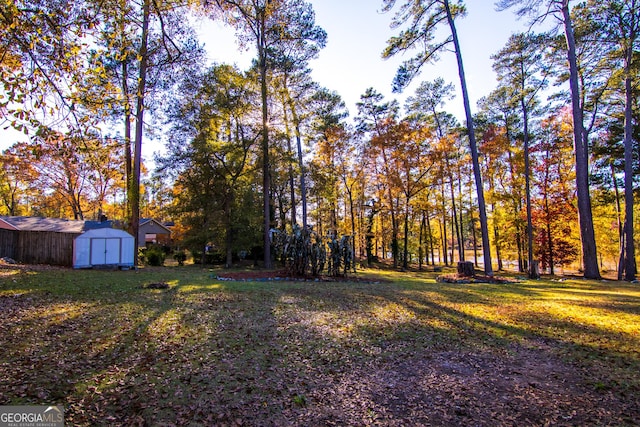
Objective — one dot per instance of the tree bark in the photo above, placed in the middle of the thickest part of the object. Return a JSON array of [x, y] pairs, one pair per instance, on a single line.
[[128, 167], [430, 235], [621, 244], [292, 187], [405, 261], [466, 268], [585, 217], [443, 229], [454, 216], [266, 166], [134, 225], [549, 234], [486, 248], [352, 213], [303, 180], [421, 240], [228, 202], [630, 256], [533, 272]]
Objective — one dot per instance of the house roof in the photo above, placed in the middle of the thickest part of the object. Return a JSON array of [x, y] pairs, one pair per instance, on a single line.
[[58, 225], [154, 225], [93, 225]]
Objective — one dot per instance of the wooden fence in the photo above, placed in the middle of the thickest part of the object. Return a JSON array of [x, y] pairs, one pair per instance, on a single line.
[[38, 247], [8, 243]]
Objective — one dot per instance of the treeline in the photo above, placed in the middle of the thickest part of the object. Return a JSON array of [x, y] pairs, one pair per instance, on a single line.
[[252, 151]]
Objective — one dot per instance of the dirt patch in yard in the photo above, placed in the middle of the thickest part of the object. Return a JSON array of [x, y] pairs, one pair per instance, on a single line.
[[524, 387]]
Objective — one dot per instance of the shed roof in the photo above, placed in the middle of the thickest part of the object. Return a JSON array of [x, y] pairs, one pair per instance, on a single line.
[[105, 232], [33, 223]]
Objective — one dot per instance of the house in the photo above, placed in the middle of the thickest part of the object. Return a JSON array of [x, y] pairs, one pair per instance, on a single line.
[[37, 240], [152, 231]]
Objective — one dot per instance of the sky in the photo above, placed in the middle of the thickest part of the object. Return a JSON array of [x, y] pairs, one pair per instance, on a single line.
[[357, 32], [351, 62]]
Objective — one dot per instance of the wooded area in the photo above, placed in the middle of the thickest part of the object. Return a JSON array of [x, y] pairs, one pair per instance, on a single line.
[[542, 171]]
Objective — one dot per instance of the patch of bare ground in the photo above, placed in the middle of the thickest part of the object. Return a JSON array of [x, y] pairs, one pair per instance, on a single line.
[[9, 268], [524, 387]]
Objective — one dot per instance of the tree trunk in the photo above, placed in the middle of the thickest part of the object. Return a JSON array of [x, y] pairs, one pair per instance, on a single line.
[[303, 180], [292, 187], [630, 256], [486, 248], [266, 167], [352, 214], [421, 240], [444, 245], [453, 233], [516, 207], [394, 235], [394, 220], [496, 238], [527, 189], [228, 201], [279, 197], [430, 234], [621, 244], [369, 237], [454, 216], [127, 136], [405, 261], [443, 230], [547, 216], [461, 215], [587, 234], [137, 152], [466, 268], [128, 166], [320, 223]]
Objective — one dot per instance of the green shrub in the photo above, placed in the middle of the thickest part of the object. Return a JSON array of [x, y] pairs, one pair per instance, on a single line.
[[154, 256]]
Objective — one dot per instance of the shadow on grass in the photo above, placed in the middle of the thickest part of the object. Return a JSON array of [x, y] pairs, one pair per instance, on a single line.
[[212, 353]]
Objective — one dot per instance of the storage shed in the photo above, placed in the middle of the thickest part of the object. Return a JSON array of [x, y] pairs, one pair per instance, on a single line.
[[104, 247]]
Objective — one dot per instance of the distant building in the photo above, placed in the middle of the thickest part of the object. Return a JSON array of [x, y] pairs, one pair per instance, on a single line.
[[152, 231]]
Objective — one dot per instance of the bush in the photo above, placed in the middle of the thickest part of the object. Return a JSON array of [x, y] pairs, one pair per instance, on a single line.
[[154, 256], [211, 258]]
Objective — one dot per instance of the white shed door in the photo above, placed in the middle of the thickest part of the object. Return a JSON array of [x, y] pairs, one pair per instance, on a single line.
[[105, 251]]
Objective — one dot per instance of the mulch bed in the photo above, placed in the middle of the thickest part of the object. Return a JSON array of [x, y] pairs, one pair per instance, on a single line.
[[283, 275]]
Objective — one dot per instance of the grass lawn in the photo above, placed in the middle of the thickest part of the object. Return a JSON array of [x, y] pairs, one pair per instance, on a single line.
[[398, 349]]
